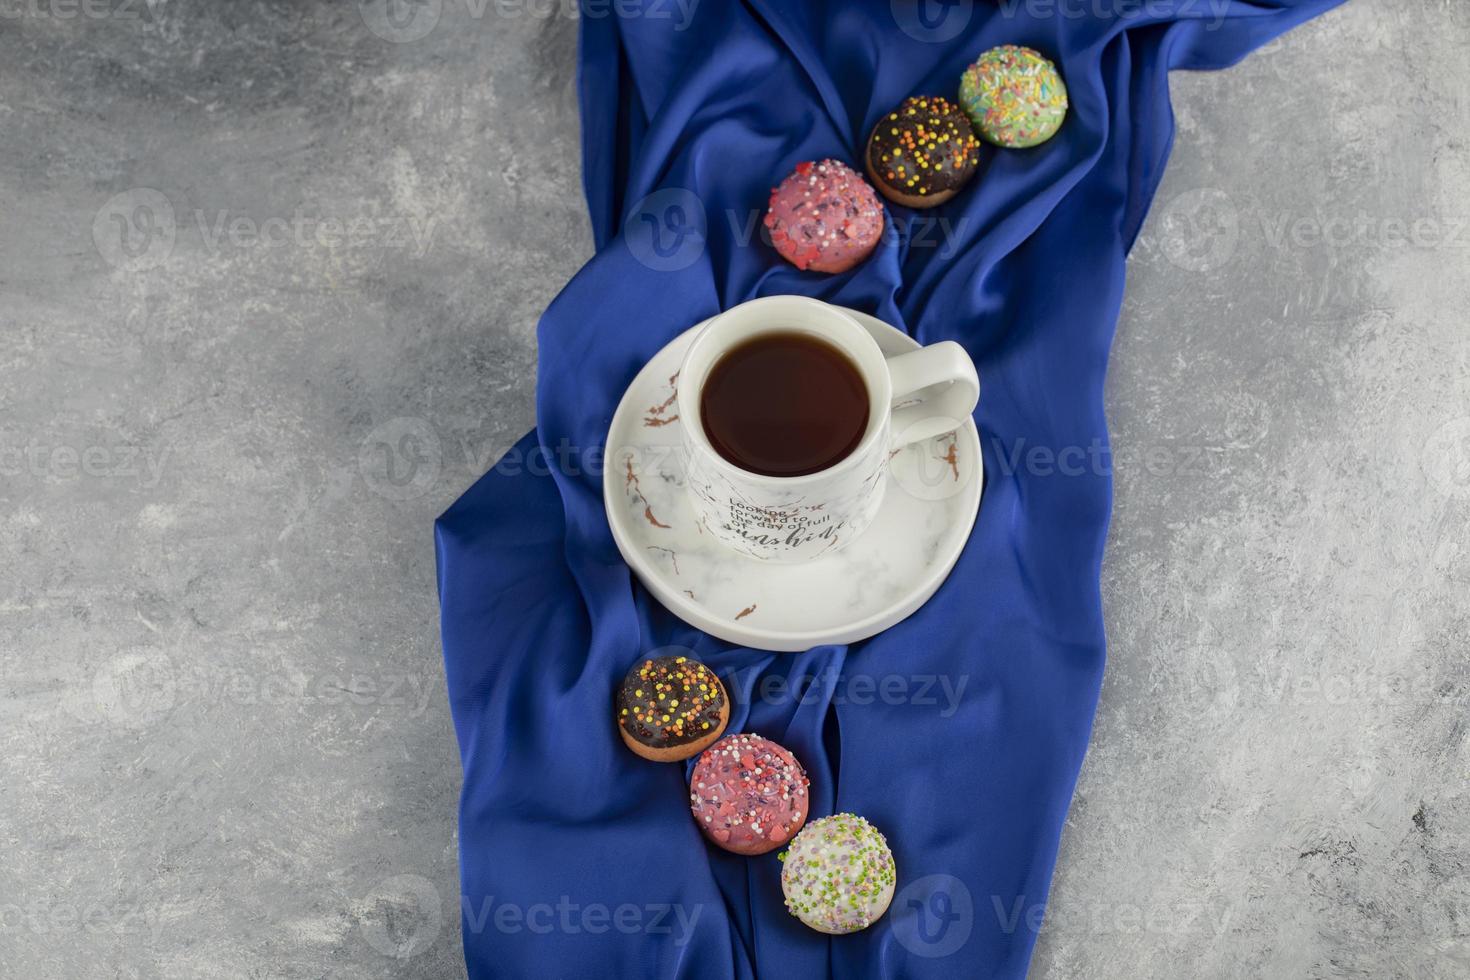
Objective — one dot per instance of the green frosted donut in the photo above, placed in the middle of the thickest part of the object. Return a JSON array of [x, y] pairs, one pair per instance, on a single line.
[[1014, 96]]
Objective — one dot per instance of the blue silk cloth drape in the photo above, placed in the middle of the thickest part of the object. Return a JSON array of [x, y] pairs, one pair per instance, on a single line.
[[579, 859]]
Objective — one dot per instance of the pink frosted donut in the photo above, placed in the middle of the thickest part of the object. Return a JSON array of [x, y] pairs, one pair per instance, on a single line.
[[748, 794], [824, 217]]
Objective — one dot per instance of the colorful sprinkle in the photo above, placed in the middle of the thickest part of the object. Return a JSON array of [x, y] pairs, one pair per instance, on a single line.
[[824, 217], [838, 875], [661, 713], [1014, 96], [748, 794], [935, 150]]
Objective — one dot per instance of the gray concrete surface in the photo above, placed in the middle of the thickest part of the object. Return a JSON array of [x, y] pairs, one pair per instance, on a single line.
[[224, 744]]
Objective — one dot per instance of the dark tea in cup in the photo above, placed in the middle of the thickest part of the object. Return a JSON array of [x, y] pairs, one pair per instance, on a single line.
[[784, 403]]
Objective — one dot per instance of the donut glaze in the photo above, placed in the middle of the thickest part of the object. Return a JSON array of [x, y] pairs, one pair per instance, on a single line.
[[1014, 96], [824, 217], [670, 708], [922, 152], [838, 875], [748, 794]]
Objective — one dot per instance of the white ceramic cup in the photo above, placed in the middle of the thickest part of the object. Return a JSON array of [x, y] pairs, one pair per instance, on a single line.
[[911, 397]]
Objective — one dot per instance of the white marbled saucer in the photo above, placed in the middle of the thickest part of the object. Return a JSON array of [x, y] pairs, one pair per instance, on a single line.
[[928, 510]]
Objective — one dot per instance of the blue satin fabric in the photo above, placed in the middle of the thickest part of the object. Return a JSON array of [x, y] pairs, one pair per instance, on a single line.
[[580, 860]]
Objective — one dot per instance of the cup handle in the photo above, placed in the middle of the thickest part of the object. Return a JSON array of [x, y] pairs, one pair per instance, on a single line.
[[948, 369]]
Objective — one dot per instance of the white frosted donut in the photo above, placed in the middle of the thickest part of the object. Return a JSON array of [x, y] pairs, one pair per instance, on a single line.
[[838, 874]]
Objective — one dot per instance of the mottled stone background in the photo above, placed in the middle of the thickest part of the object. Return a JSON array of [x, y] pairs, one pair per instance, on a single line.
[[225, 749]]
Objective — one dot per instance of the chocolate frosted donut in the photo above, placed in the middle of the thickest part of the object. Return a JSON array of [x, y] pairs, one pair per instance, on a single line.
[[824, 217], [748, 794], [670, 708], [923, 152]]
